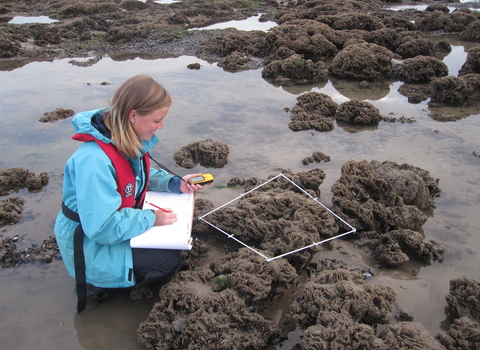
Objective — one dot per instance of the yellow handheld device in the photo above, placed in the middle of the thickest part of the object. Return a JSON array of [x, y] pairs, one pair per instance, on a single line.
[[205, 179]]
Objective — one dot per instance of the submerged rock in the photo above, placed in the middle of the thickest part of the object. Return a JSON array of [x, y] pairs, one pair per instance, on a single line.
[[313, 110], [195, 66], [358, 112], [316, 157], [14, 179], [397, 247], [416, 93], [10, 256], [236, 181], [143, 292], [235, 61], [209, 153], [58, 114], [11, 210]]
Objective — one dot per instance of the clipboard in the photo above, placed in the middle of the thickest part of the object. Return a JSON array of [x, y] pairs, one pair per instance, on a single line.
[[176, 236]]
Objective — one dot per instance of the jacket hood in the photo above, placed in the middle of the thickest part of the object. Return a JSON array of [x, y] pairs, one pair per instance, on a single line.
[[91, 122]]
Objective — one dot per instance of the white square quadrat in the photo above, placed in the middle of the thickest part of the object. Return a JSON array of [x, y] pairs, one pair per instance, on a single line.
[[352, 229]]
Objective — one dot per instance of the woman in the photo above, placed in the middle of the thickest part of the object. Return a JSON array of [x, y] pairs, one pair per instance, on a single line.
[[104, 184]]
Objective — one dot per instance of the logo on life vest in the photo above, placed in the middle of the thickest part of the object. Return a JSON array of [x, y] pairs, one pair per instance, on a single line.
[[128, 190]]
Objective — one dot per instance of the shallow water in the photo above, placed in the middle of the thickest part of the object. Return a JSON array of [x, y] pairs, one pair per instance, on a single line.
[[165, 2], [413, 7], [245, 111], [422, 7], [31, 19], [251, 23]]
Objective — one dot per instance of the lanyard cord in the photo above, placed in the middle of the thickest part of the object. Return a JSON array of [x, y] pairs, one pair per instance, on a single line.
[[163, 167]]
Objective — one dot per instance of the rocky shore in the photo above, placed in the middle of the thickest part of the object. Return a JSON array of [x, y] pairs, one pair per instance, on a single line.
[[216, 303]]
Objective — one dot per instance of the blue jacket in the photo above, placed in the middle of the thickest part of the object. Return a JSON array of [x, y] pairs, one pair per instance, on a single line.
[[90, 189]]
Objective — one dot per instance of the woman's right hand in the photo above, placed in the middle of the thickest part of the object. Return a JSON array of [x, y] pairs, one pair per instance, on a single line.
[[162, 218]]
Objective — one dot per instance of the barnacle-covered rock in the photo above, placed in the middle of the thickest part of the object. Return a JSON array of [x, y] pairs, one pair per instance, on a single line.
[[209, 153]]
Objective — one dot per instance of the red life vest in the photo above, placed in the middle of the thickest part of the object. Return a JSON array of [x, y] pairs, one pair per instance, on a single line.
[[125, 176]]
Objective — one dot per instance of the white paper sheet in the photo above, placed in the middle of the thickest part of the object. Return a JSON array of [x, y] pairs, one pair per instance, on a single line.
[[175, 236]]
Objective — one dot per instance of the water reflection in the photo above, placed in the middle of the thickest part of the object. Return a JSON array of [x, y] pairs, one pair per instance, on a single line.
[[415, 93], [297, 89], [455, 59], [422, 7], [251, 23], [166, 2], [442, 113], [105, 326], [418, 7], [362, 90], [352, 129], [32, 19]]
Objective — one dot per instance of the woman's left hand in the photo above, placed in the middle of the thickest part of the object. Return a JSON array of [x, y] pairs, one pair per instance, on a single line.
[[187, 187]]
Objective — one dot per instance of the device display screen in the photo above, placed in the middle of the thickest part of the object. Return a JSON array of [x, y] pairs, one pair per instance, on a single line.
[[197, 179]]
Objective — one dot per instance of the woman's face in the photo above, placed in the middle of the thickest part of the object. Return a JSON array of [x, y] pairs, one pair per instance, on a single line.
[[146, 125]]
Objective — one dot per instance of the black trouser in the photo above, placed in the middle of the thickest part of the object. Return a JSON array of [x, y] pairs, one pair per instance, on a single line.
[[149, 266], [155, 265]]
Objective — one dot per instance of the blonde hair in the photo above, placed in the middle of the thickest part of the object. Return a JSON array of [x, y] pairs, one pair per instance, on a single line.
[[142, 94]]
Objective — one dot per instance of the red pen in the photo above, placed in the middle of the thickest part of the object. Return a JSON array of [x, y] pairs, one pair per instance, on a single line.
[[156, 206]]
